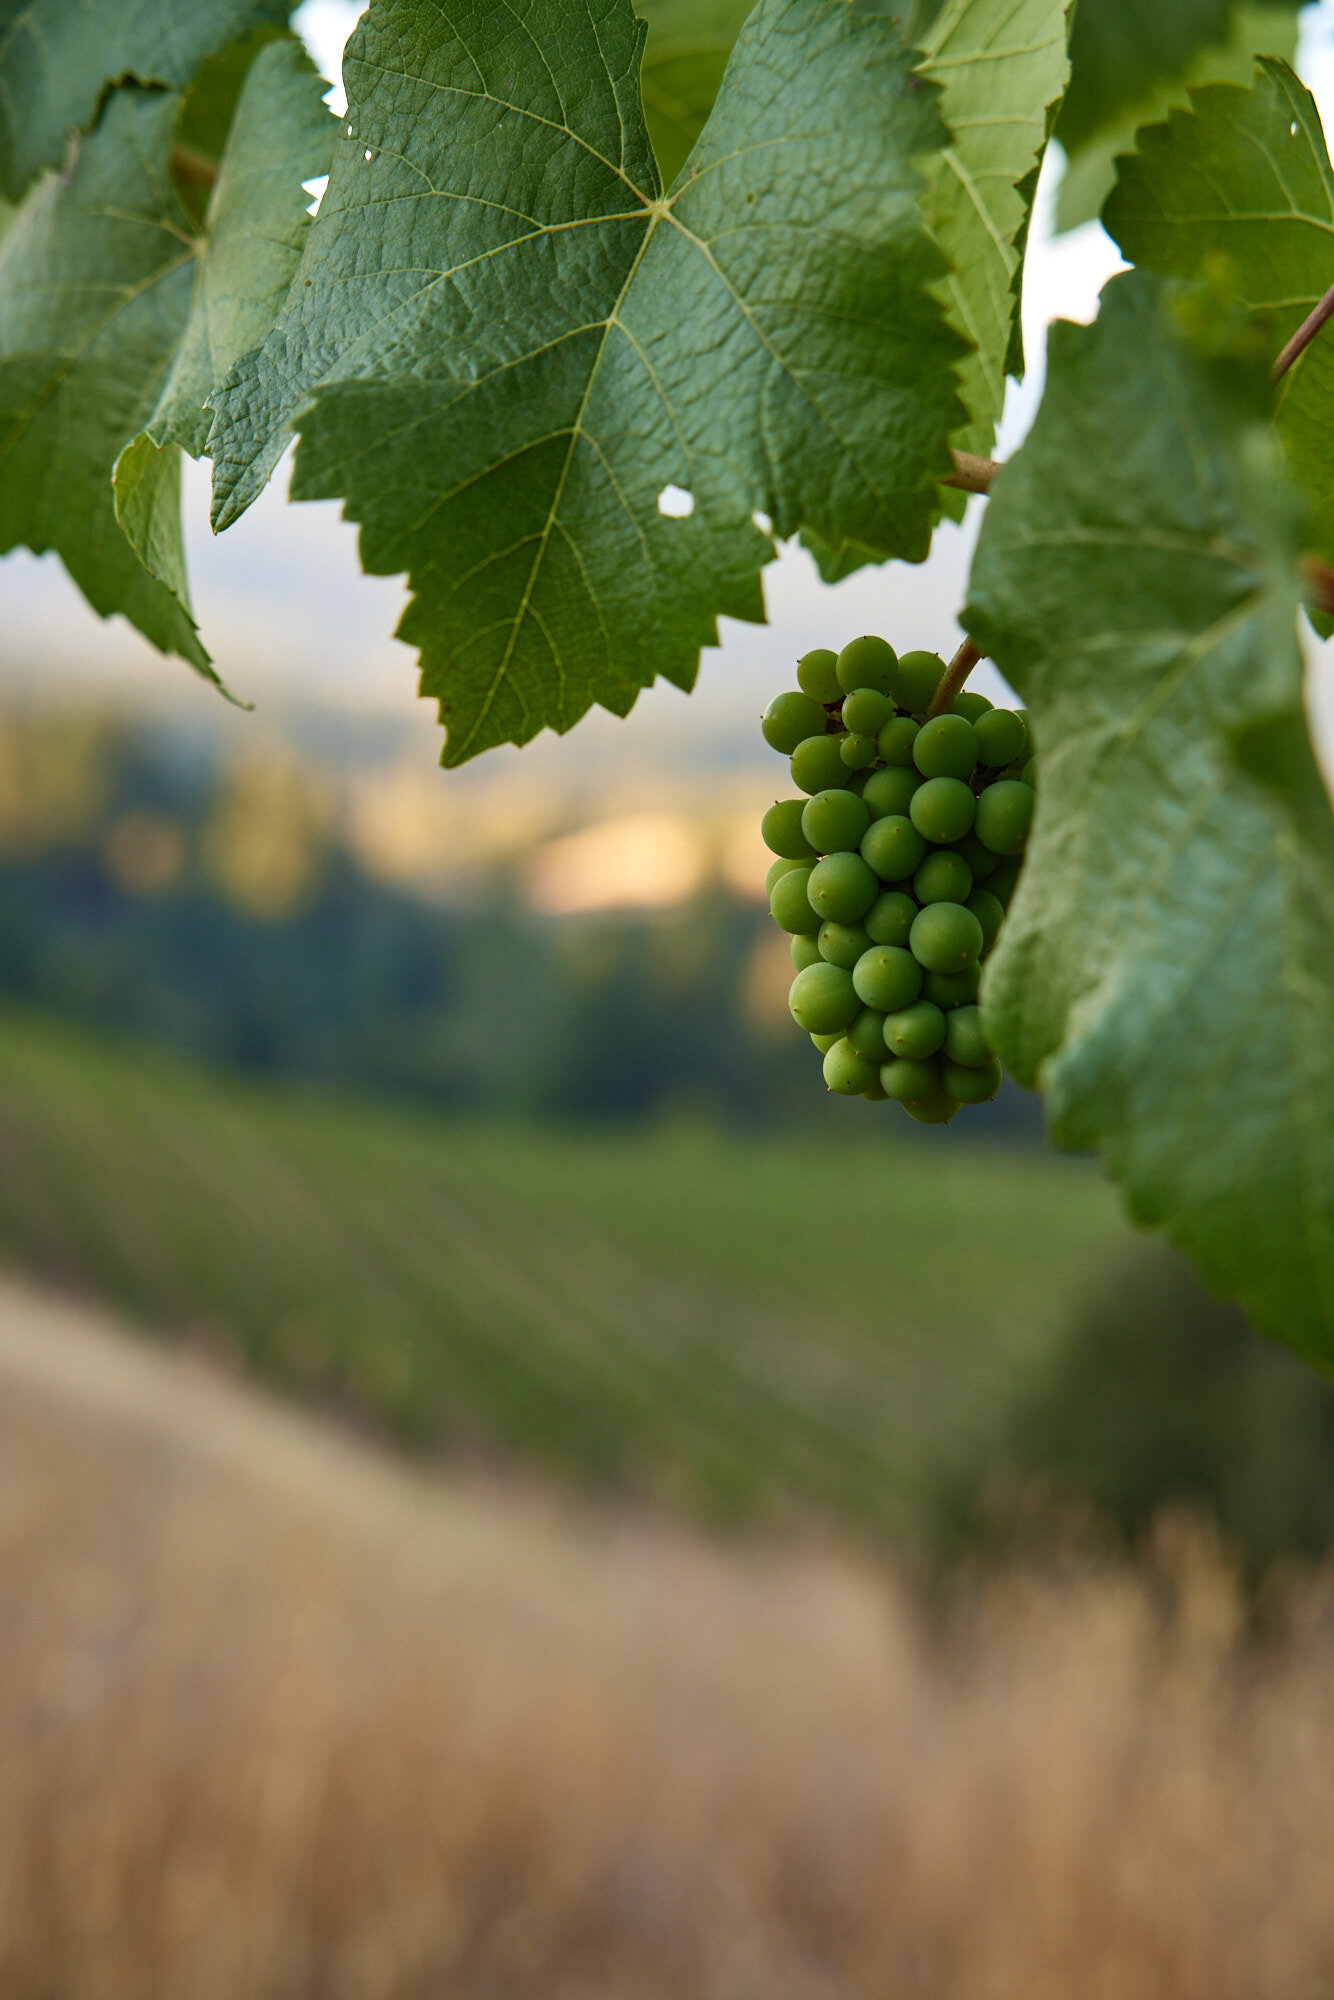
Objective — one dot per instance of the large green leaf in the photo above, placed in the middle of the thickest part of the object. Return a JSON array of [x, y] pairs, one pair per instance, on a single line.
[[1241, 187], [59, 57], [95, 274], [1167, 971], [1099, 122], [511, 345], [685, 56], [1002, 67]]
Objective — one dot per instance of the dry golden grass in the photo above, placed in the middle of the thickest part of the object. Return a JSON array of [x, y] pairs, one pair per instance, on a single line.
[[279, 1722]]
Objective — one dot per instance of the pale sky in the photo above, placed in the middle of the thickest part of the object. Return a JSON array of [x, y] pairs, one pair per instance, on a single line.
[[287, 613]]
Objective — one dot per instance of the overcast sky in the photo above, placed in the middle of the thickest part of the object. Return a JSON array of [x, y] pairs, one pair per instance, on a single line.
[[286, 611]]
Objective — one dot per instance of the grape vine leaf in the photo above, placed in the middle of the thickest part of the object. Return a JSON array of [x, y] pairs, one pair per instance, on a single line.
[[1167, 970], [507, 346], [1240, 186], [58, 58], [280, 134], [685, 56], [1090, 172], [95, 273]]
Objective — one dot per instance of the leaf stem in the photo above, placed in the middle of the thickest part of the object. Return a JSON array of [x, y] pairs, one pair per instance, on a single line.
[[954, 676], [1304, 335], [972, 474], [1319, 579]]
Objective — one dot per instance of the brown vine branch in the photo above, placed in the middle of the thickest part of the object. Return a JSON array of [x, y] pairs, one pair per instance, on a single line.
[[190, 165], [1304, 335], [971, 474], [1319, 579], [953, 678]]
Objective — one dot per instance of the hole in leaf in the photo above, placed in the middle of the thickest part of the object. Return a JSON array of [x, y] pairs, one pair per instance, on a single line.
[[676, 503], [368, 153], [1293, 132], [315, 189], [762, 521]]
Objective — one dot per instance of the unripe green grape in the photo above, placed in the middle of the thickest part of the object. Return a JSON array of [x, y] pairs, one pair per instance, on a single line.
[[1029, 774], [866, 711], [942, 810], [857, 751], [826, 1042], [990, 913], [867, 663], [887, 978], [867, 1035], [1003, 814], [817, 675], [980, 859], [973, 1086], [842, 887], [889, 793], [777, 870], [788, 719], [834, 822], [876, 1092], [781, 829], [889, 919], [847, 1072], [790, 901], [843, 944], [916, 1032], [1001, 738], [893, 847], [944, 877], [1002, 883], [933, 1110], [970, 705], [854, 781], [823, 999], [896, 740], [966, 1039], [946, 748], [948, 990], [945, 937], [916, 681], [817, 766], [907, 1081], [804, 950]]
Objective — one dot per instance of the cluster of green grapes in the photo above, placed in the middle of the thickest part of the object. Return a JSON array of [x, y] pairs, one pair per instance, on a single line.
[[894, 870]]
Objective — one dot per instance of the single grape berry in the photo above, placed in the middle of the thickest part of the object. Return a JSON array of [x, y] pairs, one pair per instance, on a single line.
[[842, 887], [889, 919], [847, 1072], [817, 675], [867, 1035], [866, 711], [867, 663], [907, 1081], [896, 740], [876, 1092], [944, 937], [1003, 814], [946, 748], [944, 877], [973, 1086], [826, 1042], [804, 950], [953, 989], [789, 718], [942, 810], [1029, 774], [817, 765], [893, 847], [916, 1033], [889, 793], [990, 913], [1001, 738], [933, 1110], [777, 869], [857, 751], [965, 1038], [887, 978], [843, 944], [823, 999], [1002, 883], [972, 707], [790, 902], [980, 859], [916, 681], [834, 822], [781, 829]]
